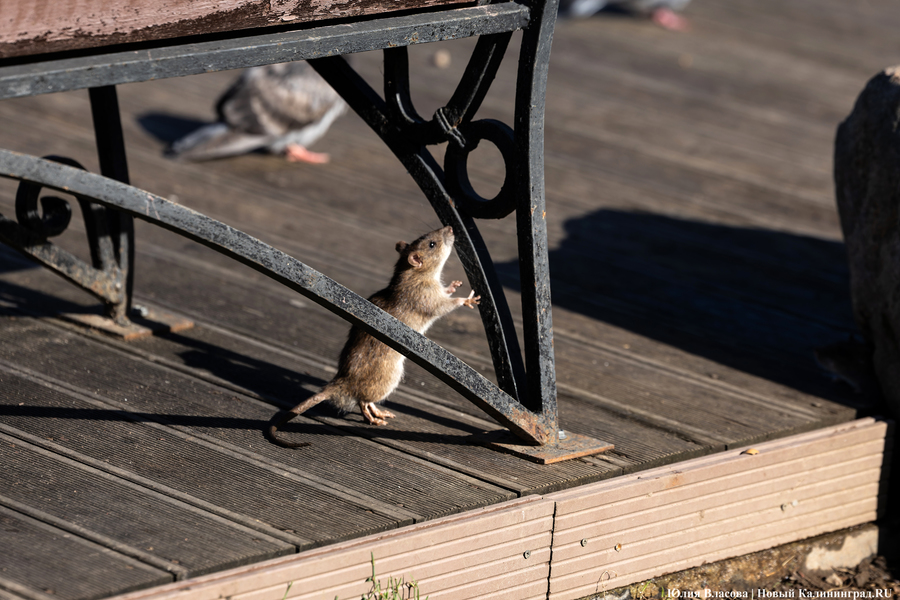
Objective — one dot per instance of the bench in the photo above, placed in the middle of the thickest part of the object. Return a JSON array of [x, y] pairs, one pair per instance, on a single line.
[[46, 48]]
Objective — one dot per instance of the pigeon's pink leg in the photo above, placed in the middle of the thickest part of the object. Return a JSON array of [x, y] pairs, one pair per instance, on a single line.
[[669, 19], [297, 153]]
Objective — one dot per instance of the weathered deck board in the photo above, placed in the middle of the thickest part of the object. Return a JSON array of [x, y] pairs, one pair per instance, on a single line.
[[52, 563], [129, 514], [232, 484], [275, 377], [317, 204], [344, 473], [30, 28]]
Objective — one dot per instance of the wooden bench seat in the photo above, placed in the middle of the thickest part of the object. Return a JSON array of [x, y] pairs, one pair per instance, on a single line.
[[44, 26]]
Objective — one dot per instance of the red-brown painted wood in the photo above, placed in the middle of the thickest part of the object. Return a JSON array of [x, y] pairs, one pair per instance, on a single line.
[[42, 26]]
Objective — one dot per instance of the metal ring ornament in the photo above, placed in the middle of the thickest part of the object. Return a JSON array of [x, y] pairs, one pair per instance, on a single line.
[[457, 176], [55, 214]]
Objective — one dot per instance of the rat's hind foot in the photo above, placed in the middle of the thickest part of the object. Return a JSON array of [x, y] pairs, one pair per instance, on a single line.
[[375, 415]]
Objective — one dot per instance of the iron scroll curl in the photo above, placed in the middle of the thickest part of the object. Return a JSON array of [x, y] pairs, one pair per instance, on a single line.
[[457, 176], [54, 214]]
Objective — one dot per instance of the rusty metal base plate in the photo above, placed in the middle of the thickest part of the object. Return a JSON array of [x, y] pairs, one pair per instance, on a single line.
[[145, 322], [572, 445]]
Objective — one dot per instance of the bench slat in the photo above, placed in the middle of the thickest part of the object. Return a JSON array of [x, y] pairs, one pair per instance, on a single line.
[[112, 68], [41, 26]]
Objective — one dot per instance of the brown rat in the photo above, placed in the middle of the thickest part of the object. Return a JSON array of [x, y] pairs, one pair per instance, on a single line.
[[368, 370]]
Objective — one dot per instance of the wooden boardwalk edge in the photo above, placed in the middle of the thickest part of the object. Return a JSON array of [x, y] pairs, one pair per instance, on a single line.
[[600, 536]]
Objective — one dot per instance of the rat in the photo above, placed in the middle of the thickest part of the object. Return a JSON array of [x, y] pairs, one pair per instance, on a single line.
[[368, 370]]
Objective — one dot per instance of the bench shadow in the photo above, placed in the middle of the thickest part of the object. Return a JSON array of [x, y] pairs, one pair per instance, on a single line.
[[279, 386], [167, 127], [285, 387], [756, 300], [352, 427], [11, 261]]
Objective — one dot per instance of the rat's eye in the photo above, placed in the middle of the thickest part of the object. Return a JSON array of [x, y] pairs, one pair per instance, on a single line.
[[431, 244]]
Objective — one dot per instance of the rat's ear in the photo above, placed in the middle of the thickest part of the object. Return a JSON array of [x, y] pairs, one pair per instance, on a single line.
[[415, 260], [401, 246]]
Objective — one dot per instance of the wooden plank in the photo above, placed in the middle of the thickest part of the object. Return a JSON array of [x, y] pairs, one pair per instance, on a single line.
[[632, 436], [708, 494], [661, 446], [649, 528], [348, 488], [118, 65], [604, 425], [626, 322], [619, 427], [258, 217], [687, 406], [452, 444], [707, 467], [197, 541], [501, 470], [41, 27], [672, 518], [477, 555], [490, 466], [563, 299], [234, 487], [836, 476], [838, 38], [845, 512], [819, 397], [587, 360], [40, 562], [7, 595]]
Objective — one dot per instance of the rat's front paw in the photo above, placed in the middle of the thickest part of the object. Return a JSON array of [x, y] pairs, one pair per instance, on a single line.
[[452, 287], [472, 301]]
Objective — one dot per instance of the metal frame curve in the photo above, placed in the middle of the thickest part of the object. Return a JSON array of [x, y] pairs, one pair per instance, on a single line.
[[278, 266], [525, 400]]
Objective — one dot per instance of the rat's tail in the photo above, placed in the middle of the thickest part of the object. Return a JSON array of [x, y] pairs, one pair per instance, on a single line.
[[301, 408]]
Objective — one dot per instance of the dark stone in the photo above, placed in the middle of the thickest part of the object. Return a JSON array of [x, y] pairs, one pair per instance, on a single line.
[[867, 184]]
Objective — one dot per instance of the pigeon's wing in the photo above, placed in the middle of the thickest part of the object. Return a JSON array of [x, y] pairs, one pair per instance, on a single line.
[[276, 99]]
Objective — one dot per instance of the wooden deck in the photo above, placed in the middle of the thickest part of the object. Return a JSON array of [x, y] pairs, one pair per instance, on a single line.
[[696, 259]]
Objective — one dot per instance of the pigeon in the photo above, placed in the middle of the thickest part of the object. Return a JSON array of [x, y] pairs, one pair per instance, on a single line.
[[281, 108]]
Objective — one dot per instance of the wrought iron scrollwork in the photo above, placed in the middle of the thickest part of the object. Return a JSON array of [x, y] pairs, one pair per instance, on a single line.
[[103, 278], [457, 175], [531, 391], [56, 214], [110, 233], [525, 398], [280, 267]]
